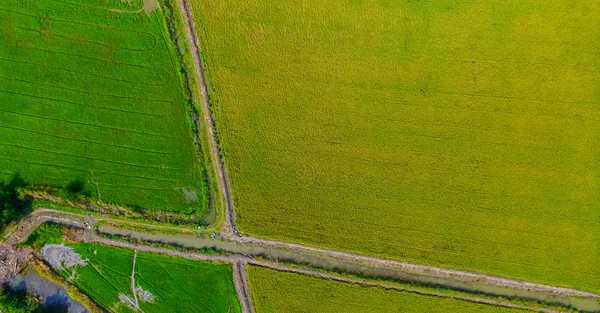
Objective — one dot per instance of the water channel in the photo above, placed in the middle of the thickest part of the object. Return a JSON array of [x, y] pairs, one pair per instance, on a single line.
[[328, 263], [52, 294]]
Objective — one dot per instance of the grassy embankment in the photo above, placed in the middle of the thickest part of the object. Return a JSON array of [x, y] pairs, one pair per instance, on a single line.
[[93, 99], [455, 134]]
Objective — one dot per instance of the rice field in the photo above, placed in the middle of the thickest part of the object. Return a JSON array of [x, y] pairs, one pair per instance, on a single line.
[[452, 133], [91, 92], [174, 284], [283, 292]]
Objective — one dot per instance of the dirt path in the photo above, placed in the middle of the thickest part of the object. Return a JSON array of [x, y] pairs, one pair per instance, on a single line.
[[240, 279], [229, 226], [136, 303]]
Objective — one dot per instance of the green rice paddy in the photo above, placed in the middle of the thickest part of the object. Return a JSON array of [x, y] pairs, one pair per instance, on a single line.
[[91, 91], [177, 285]]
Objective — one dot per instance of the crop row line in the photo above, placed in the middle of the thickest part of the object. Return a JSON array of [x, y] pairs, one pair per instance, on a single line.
[[77, 39], [87, 92], [84, 73], [411, 246], [387, 117], [134, 10], [135, 186], [10, 145], [89, 24], [191, 296], [84, 140], [409, 169], [160, 295], [20, 45], [176, 263], [86, 124], [87, 171], [341, 221], [474, 61], [82, 105]]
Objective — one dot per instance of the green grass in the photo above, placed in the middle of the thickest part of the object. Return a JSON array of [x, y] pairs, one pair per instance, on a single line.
[[282, 292], [93, 95], [460, 134], [179, 285], [46, 233]]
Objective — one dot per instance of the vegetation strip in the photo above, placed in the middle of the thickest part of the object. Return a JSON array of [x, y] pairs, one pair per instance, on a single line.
[[222, 178]]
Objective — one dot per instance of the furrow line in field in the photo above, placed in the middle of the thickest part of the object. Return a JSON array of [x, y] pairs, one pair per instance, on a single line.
[[399, 135], [20, 45], [395, 88], [82, 105], [134, 186], [133, 10], [87, 92], [86, 170], [75, 72], [47, 18], [86, 124], [84, 140], [329, 154], [10, 145]]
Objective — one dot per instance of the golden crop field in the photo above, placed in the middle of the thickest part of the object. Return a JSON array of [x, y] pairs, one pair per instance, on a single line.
[[456, 133], [282, 292]]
